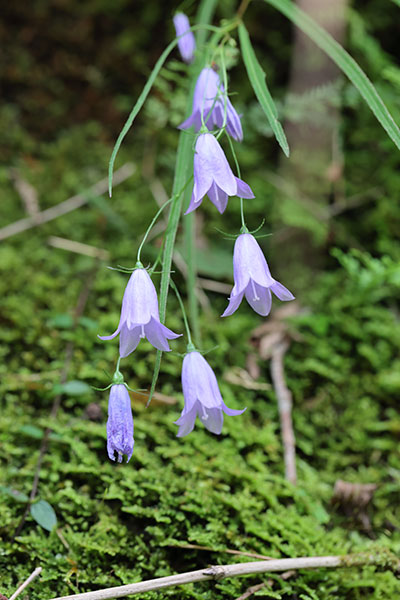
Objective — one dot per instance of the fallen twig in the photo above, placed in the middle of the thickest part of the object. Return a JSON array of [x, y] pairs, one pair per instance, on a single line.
[[26, 583], [224, 550], [78, 247], [251, 590], [67, 206], [285, 409], [236, 570], [27, 193]]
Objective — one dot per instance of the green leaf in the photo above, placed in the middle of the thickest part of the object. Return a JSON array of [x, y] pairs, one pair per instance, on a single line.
[[43, 513], [32, 431], [344, 61], [257, 80], [18, 496], [73, 388]]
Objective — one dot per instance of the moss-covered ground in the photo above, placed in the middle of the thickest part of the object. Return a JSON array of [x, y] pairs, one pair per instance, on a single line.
[[121, 523]]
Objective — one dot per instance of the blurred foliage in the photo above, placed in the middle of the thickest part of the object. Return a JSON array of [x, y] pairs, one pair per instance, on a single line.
[[65, 100]]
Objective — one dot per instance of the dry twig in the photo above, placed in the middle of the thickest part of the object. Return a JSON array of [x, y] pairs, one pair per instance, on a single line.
[[223, 571], [224, 550], [285, 410], [27, 193], [26, 583], [251, 590], [67, 206], [78, 247]]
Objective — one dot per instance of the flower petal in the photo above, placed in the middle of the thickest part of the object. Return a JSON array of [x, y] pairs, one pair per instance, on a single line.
[[129, 340], [112, 336], [186, 43], [119, 423], [233, 124], [281, 292], [218, 197], [212, 419], [243, 190], [186, 422], [259, 298], [234, 303], [231, 411], [193, 205]]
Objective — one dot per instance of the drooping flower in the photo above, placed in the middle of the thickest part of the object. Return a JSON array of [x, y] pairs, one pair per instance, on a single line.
[[140, 316], [119, 424], [253, 278], [213, 176], [202, 396], [186, 44], [209, 100]]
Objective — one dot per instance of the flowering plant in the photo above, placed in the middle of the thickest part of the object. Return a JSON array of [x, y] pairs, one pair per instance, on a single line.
[[204, 169]]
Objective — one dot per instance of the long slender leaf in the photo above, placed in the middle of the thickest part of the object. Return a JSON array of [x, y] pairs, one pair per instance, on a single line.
[[205, 14], [257, 80], [344, 61]]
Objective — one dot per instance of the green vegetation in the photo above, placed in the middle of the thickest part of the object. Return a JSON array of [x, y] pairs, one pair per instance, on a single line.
[[120, 523]]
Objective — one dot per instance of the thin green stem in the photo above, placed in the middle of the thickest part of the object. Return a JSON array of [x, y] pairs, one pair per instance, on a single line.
[[150, 227], [190, 247], [225, 83], [244, 227], [185, 319]]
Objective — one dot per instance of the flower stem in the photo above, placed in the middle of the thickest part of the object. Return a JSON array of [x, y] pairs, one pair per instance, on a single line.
[[244, 227], [185, 320], [150, 227], [189, 225]]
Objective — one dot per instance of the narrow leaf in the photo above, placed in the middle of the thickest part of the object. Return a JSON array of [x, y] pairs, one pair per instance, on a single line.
[[343, 60], [257, 80], [43, 513]]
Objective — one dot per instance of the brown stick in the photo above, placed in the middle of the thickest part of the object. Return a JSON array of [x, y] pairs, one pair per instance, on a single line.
[[285, 410], [67, 206], [224, 550], [236, 570], [251, 590], [26, 583]]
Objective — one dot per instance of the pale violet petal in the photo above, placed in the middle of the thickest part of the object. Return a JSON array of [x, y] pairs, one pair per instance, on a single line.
[[186, 422], [259, 298], [234, 303], [218, 197], [129, 340], [281, 292], [243, 190], [212, 419]]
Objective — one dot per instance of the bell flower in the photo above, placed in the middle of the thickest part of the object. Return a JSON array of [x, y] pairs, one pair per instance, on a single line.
[[209, 101], [186, 43], [120, 423], [253, 278], [202, 396], [213, 176], [140, 316]]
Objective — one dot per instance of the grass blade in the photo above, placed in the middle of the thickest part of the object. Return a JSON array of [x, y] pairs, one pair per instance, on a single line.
[[343, 60], [257, 80]]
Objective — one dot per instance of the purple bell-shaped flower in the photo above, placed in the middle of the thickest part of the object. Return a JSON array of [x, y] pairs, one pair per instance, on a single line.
[[213, 176], [209, 102], [186, 43], [140, 316], [253, 278], [202, 396], [120, 423]]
